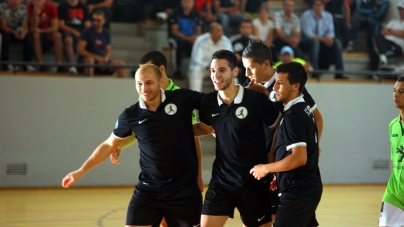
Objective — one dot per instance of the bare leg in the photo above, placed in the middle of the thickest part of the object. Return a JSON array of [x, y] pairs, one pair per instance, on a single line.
[[37, 46], [89, 71], [213, 221], [57, 45], [68, 46], [120, 71]]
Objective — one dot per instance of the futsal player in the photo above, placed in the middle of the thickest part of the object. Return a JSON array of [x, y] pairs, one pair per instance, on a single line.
[[296, 152], [168, 180], [257, 60], [237, 115], [392, 211]]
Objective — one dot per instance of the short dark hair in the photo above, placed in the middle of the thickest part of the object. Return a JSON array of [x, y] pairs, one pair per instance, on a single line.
[[156, 57], [296, 73], [400, 78], [99, 12], [226, 55], [258, 51]]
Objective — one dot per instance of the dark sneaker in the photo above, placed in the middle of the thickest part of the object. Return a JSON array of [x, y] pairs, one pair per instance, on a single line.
[[340, 76], [43, 68]]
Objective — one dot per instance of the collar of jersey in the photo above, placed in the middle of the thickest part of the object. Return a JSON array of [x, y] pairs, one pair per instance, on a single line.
[[238, 98], [143, 105], [270, 81], [171, 86], [293, 102]]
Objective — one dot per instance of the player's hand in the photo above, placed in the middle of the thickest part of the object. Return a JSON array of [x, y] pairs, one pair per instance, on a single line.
[[257, 87], [214, 133], [71, 178], [274, 184], [259, 171], [114, 156]]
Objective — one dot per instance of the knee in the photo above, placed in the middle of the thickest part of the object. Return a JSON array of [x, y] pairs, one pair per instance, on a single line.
[[68, 41], [89, 60]]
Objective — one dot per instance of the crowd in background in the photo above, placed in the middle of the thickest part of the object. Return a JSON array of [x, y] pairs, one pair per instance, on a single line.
[[317, 38]]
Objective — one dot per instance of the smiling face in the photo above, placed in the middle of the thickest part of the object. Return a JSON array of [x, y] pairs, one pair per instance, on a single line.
[[148, 84], [398, 95], [221, 74], [256, 71], [285, 92]]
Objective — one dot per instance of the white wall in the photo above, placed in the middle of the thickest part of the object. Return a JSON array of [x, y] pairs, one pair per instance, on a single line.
[[53, 125]]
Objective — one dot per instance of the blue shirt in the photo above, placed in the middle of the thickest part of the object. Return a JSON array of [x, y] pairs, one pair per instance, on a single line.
[[96, 42], [312, 26]]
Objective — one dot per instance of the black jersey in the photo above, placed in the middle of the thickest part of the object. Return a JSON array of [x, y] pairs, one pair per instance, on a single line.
[[166, 141], [240, 138], [270, 132], [298, 128]]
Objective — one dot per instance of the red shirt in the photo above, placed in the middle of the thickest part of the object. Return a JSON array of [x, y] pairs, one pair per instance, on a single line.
[[48, 13], [200, 3]]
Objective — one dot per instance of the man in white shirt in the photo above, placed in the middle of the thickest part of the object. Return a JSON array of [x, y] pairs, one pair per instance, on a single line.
[[390, 41], [202, 50]]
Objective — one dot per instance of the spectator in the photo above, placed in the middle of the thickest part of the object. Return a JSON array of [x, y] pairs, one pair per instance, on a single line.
[[287, 28], [14, 28], [319, 39], [228, 12], [202, 51], [240, 42], [341, 12], [263, 28], [43, 23], [287, 55], [184, 28], [371, 16], [390, 41], [73, 18], [104, 5], [251, 7], [165, 8], [94, 47], [204, 8]]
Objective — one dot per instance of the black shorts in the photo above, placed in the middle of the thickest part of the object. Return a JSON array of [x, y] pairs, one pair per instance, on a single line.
[[182, 208], [254, 207], [297, 209], [274, 200]]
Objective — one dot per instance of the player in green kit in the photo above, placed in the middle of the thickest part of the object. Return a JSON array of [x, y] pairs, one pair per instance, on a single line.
[[392, 210]]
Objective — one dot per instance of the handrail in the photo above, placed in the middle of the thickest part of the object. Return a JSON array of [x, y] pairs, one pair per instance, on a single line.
[[381, 74]]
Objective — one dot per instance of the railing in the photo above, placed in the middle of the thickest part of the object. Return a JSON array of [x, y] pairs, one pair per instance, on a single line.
[[381, 74]]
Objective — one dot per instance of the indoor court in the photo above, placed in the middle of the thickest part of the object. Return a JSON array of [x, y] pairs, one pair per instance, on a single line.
[[341, 205]]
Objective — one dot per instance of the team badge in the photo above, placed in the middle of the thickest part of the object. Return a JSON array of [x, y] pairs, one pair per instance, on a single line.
[[171, 109], [272, 96], [241, 112], [116, 124]]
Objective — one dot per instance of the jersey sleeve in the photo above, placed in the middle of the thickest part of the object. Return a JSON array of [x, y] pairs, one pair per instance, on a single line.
[[295, 130], [203, 117], [309, 100], [267, 111], [122, 129]]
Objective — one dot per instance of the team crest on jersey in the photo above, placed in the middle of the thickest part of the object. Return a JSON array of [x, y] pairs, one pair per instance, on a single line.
[[116, 124], [272, 96], [171, 109], [241, 112]]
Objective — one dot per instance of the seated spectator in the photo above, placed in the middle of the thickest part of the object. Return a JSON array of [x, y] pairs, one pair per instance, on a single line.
[[251, 7], [44, 25], [104, 5], [371, 15], [263, 28], [202, 51], [14, 28], [204, 8], [240, 42], [341, 12], [390, 41], [94, 47], [228, 12], [318, 38], [287, 55], [73, 18], [184, 27], [287, 28], [164, 8]]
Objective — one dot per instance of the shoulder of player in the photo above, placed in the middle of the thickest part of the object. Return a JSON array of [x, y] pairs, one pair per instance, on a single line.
[[250, 94], [394, 121]]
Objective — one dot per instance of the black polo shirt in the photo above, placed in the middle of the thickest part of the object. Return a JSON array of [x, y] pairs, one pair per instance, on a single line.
[[270, 132], [166, 140], [298, 128], [240, 137]]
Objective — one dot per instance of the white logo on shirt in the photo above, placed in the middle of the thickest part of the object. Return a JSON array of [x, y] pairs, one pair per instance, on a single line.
[[272, 96], [241, 112], [171, 109], [259, 219], [140, 122], [214, 115]]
